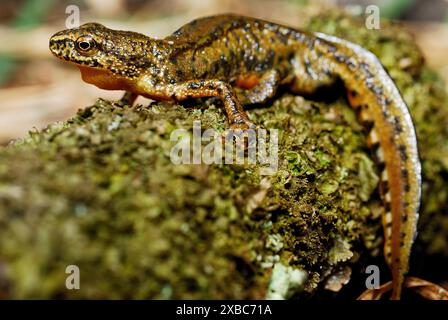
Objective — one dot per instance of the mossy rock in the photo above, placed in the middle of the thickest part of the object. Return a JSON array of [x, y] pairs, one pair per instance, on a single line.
[[99, 191]]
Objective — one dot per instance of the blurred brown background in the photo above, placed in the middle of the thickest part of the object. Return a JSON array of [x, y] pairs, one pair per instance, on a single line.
[[37, 89]]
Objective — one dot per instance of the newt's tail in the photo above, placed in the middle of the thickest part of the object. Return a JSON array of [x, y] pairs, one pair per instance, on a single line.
[[392, 135]]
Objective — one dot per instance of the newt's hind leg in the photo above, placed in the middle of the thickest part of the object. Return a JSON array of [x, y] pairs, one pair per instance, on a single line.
[[262, 91], [310, 74]]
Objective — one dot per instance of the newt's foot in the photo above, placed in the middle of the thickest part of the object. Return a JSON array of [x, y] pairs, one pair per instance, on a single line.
[[242, 133], [244, 125], [426, 289]]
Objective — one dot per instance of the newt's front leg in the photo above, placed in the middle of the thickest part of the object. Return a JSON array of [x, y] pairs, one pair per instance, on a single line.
[[202, 89], [128, 98]]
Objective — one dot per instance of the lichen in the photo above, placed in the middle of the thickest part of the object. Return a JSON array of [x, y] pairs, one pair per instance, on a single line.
[[99, 191], [285, 281]]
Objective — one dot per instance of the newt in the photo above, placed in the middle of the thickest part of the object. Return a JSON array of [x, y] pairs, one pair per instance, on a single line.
[[243, 60]]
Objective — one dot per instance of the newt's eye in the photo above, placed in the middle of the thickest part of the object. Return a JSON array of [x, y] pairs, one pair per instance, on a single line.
[[85, 44]]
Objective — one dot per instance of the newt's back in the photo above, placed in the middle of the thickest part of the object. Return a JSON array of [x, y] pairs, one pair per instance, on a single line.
[[225, 46]]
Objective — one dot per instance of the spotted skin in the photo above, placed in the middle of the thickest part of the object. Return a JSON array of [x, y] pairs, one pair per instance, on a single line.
[[243, 60]]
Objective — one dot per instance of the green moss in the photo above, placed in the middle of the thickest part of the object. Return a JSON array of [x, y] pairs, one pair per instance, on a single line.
[[99, 191]]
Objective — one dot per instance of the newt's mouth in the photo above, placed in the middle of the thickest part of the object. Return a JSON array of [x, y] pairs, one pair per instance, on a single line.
[[61, 48]]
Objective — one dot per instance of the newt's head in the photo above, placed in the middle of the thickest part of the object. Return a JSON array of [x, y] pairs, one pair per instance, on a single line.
[[107, 58]]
